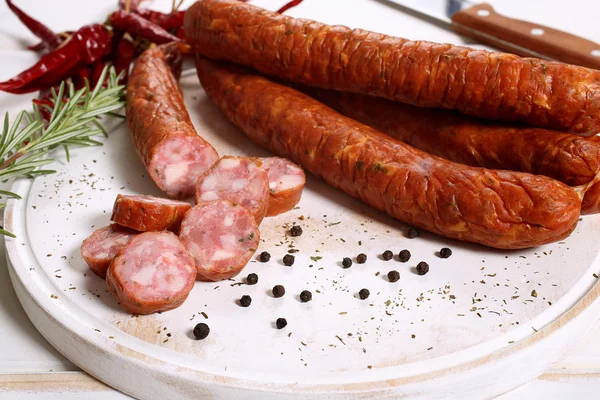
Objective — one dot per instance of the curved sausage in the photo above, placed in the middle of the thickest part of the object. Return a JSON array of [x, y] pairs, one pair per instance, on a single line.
[[568, 158], [286, 182], [221, 236], [163, 134], [237, 179], [153, 272], [102, 246], [148, 213], [502, 209], [486, 84]]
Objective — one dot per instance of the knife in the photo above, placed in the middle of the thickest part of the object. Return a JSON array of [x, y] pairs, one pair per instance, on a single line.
[[480, 21]]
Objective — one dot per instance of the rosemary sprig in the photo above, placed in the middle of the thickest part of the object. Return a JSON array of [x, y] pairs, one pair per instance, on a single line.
[[25, 144]]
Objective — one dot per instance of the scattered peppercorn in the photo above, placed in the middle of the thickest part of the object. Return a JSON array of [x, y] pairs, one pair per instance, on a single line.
[[296, 230], [251, 279], [393, 276], [347, 262], [265, 256], [422, 268], [281, 323], [245, 301], [288, 260], [201, 331], [445, 252], [278, 291], [404, 255], [387, 255], [364, 294], [305, 296], [361, 258], [413, 233]]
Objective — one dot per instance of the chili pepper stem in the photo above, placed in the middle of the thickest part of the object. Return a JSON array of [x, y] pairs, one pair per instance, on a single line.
[[127, 6]]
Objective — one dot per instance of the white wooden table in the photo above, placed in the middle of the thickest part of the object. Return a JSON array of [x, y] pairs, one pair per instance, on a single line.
[[31, 368]]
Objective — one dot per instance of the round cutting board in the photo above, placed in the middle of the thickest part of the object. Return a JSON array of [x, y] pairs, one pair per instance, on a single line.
[[479, 323], [475, 317]]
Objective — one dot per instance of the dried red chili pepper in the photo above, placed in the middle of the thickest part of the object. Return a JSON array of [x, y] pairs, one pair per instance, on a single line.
[[50, 40], [138, 26], [168, 22], [124, 55], [86, 46], [289, 5]]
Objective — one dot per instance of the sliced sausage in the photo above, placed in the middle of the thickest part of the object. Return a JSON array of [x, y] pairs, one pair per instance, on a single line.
[[221, 236], [571, 159], [153, 272], [486, 84], [238, 179], [502, 209], [286, 182], [163, 134], [148, 213], [102, 246]]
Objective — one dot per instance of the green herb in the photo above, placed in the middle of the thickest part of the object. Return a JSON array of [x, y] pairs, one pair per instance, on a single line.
[[25, 144], [316, 258]]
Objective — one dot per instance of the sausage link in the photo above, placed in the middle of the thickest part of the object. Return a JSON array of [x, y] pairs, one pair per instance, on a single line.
[[486, 84], [163, 133], [502, 209], [568, 158]]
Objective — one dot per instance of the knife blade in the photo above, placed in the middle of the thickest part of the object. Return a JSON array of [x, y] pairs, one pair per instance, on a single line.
[[480, 21]]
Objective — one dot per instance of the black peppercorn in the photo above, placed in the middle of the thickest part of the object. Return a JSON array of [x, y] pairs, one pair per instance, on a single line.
[[422, 268], [251, 279], [201, 331], [445, 252], [305, 296], [288, 260], [245, 301], [281, 323], [404, 256], [387, 255], [413, 233], [364, 294], [264, 256], [296, 230], [278, 291], [393, 276], [361, 258], [347, 262]]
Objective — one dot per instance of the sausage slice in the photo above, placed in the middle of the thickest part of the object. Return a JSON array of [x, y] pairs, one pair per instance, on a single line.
[[102, 246], [148, 213], [286, 182]]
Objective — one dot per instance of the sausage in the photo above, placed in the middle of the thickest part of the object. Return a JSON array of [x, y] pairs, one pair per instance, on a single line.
[[163, 134], [486, 84], [152, 273], [568, 158], [102, 246], [286, 182], [238, 179], [501, 209], [221, 236], [148, 213]]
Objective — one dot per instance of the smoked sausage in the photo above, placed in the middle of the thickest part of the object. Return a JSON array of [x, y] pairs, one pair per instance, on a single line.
[[286, 182], [153, 272], [501, 209], [163, 134], [486, 84], [571, 159], [148, 213], [102, 246]]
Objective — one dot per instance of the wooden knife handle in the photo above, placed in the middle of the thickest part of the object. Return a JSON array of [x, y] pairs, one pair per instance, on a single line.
[[482, 22]]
